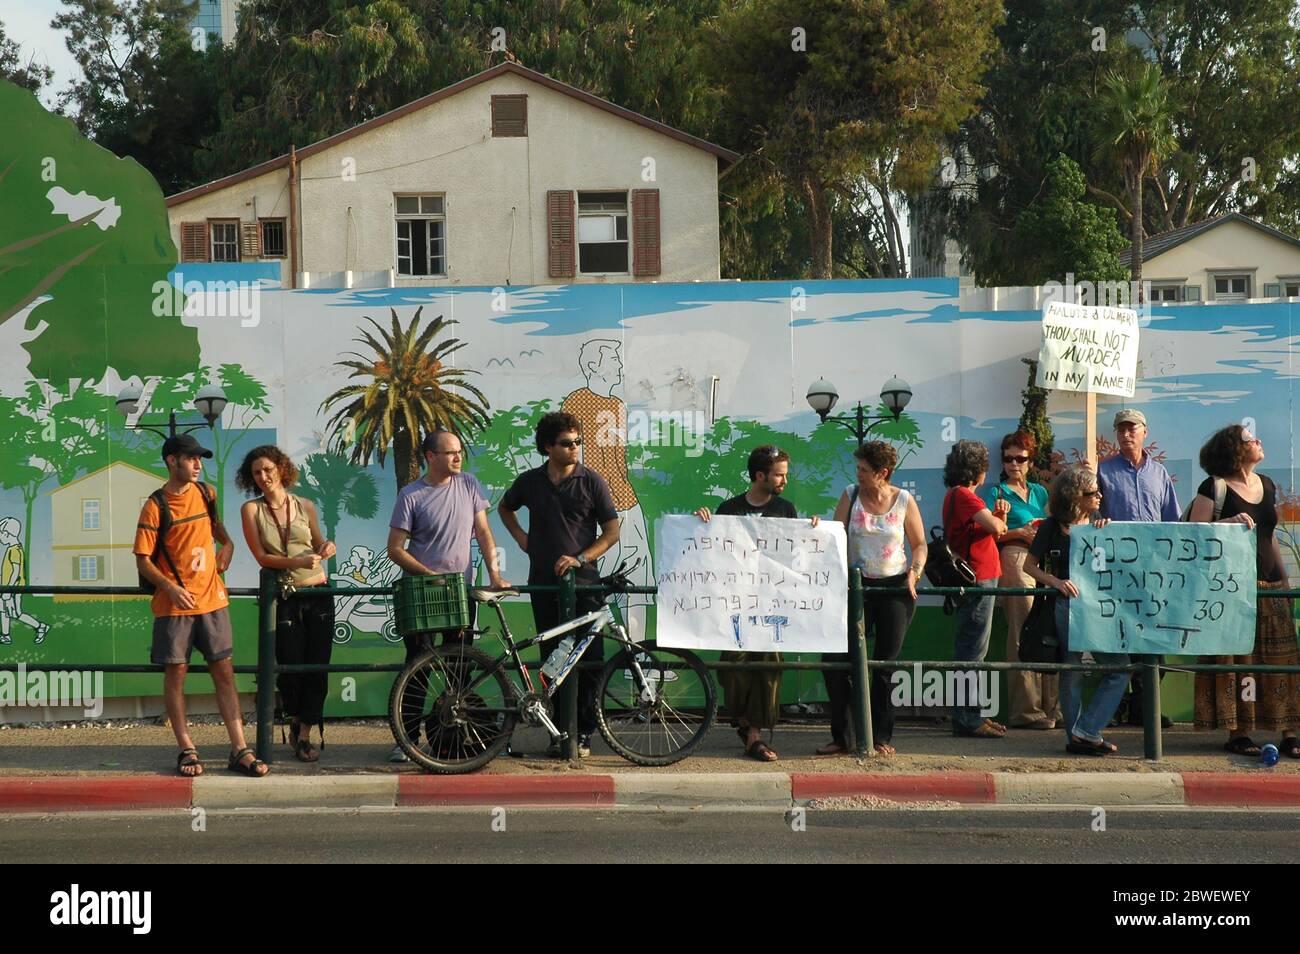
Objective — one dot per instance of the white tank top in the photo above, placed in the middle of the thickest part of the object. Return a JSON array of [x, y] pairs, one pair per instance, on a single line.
[[876, 541]]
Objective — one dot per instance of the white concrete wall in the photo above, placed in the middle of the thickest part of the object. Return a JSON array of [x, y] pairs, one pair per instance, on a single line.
[[1232, 245], [495, 189]]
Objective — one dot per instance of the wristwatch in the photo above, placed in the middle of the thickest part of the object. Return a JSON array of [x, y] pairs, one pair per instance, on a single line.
[[582, 559]]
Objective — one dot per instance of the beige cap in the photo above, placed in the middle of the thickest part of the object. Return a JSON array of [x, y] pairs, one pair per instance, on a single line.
[[1130, 415]]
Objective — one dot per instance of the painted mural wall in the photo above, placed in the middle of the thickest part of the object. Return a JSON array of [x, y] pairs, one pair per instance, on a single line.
[[674, 382]]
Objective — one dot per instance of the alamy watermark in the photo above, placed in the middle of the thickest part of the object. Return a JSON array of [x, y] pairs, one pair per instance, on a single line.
[[654, 429], [83, 689], [946, 689], [209, 299], [1135, 295]]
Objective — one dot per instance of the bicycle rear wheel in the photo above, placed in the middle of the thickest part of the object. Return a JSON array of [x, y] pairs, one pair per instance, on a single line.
[[467, 715], [662, 720]]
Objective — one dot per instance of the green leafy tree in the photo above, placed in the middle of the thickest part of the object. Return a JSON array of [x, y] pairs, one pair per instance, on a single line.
[[337, 487], [1139, 134], [246, 408], [150, 88], [26, 444], [506, 447], [1062, 233], [83, 239], [410, 391], [878, 87], [1034, 420]]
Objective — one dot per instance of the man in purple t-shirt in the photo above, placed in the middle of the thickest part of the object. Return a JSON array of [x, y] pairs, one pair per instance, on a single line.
[[433, 521]]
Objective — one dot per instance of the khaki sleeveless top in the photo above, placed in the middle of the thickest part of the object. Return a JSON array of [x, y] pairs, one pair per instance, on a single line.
[[299, 540]]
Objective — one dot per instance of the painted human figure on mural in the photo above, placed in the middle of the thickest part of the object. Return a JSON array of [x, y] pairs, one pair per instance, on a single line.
[[13, 572], [603, 417]]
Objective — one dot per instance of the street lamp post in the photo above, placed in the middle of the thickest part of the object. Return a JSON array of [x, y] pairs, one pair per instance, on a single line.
[[209, 402], [895, 394]]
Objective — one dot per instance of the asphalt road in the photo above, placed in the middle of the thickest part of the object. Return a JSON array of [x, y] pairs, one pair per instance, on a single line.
[[1131, 836]]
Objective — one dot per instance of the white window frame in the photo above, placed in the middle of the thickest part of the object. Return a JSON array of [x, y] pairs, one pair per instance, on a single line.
[[1230, 275], [91, 506], [81, 568], [424, 216], [624, 214], [213, 226]]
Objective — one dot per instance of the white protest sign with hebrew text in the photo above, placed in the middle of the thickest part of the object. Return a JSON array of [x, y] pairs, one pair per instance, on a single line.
[[757, 584], [1089, 349]]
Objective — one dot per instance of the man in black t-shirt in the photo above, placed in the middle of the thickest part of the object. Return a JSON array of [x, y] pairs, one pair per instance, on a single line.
[[567, 504], [754, 698]]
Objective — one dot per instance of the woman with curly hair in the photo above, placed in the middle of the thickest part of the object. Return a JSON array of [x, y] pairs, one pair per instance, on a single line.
[[1073, 501], [1230, 457], [283, 532], [972, 531]]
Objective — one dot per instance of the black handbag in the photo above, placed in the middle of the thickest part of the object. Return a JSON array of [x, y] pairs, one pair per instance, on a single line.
[[943, 566], [1039, 640]]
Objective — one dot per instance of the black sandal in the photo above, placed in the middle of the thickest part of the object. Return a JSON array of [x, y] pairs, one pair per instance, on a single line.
[[304, 751], [1290, 748], [236, 763], [1078, 746], [188, 757], [1242, 745]]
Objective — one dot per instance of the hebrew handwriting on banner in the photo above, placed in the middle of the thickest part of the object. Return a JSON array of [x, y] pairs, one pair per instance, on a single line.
[[1186, 588], [756, 584]]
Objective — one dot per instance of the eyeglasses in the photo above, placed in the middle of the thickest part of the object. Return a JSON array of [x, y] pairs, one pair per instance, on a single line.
[[459, 453], [577, 442], [1015, 460]]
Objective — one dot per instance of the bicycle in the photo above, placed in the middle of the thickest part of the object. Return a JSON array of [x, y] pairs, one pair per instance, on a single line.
[[654, 704]]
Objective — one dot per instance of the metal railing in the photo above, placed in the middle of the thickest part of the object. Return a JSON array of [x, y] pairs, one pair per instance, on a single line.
[[267, 668]]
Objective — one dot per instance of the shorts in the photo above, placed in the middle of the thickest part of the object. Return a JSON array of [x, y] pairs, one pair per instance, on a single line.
[[175, 637]]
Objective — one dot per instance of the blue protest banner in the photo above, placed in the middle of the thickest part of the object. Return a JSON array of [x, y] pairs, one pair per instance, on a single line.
[[1181, 588]]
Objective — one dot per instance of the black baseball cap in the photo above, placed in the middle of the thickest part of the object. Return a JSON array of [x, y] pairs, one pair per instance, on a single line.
[[185, 445]]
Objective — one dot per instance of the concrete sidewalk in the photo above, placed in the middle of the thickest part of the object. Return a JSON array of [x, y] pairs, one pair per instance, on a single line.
[[127, 766]]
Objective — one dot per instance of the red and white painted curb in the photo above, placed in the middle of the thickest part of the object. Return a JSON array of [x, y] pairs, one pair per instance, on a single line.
[[56, 794]]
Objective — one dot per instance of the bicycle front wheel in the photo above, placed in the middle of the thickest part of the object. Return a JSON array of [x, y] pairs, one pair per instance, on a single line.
[[466, 710], [659, 716]]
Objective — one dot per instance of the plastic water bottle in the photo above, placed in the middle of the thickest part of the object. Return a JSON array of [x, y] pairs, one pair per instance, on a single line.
[[1268, 754], [565, 655]]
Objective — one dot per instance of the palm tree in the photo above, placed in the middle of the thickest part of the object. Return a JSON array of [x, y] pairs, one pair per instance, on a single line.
[[335, 486], [1139, 124], [411, 392]]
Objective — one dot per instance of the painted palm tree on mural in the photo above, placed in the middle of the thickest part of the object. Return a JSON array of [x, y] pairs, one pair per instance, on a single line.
[[1139, 135], [336, 487], [410, 391]]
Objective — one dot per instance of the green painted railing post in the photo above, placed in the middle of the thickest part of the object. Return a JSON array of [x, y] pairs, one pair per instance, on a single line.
[[266, 593], [859, 672], [569, 692], [1152, 743]]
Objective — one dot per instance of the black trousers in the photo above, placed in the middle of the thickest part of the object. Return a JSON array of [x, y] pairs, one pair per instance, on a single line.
[[304, 633], [546, 615], [413, 700], [886, 616]]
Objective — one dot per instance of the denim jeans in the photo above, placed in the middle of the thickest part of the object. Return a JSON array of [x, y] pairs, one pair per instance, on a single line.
[[970, 644], [1080, 724]]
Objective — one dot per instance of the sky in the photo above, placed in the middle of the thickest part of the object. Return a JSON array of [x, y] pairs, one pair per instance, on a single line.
[[27, 22]]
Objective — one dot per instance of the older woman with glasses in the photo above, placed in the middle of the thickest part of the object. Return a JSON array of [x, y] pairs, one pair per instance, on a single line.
[[1073, 502], [1033, 698]]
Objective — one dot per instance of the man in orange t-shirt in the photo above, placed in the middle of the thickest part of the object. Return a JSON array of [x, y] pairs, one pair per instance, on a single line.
[[190, 605]]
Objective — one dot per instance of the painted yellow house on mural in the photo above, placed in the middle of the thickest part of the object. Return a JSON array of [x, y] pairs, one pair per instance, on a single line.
[[92, 538]]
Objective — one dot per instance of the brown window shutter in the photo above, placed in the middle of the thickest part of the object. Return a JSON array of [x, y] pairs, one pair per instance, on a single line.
[[510, 115], [645, 232], [250, 240], [563, 252], [194, 241]]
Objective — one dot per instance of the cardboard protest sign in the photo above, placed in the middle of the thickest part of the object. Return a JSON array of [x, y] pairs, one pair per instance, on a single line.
[[1088, 348], [1180, 588], [758, 584]]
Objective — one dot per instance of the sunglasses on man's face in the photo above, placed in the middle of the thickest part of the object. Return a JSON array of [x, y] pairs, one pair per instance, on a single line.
[[1015, 460], [577, 442]]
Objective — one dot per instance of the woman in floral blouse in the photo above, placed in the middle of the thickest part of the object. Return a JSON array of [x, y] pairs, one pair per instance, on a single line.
[[880, 518]]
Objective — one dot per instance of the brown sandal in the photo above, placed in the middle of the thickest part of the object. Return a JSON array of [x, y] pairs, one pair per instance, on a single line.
[[833, 748], [760, 751]]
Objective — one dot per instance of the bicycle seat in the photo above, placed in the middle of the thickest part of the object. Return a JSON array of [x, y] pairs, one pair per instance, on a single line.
[[492, 596]]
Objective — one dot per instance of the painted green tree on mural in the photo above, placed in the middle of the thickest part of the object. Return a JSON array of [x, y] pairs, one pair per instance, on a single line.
[[83, 238], [336, 487]]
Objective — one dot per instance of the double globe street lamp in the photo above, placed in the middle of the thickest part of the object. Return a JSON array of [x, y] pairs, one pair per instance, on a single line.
[[209, 402], [894, 395]]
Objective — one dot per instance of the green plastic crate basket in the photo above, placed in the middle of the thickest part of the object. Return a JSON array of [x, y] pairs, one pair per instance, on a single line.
[[430, 604]]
